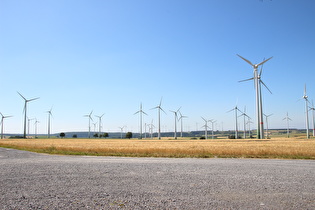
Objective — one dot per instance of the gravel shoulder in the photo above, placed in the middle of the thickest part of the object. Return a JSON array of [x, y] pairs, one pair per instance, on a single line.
[[38, 181]]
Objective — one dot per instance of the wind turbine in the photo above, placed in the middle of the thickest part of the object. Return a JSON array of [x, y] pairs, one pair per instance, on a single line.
[[287, 118], [245, 115], [306, 112], [36, 122], [140, 112], [25, 110], [181, 123], [121, 131], [28, 125], [257, 80], [90, 118], [176, 118], [236, 125], [212, 122], [2, 122], [159, 117], [206, 127], [313, 109], [49, 114], [267, 123], [99, 124]]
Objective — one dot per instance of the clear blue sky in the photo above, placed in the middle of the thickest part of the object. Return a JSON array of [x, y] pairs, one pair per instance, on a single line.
[[111, 55]]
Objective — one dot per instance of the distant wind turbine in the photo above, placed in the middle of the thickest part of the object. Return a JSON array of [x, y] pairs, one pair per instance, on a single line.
[[2, 123], [287, 118], [90, 118], [206, 127], [36, 122], [181, 123], [99, 124], [49, 115], [28, 125], [236, 125], [212, 128], [305, 97], [267, 116], [25, 111], [245, 115], [159, 118], [259, 111], [176, 118], [140, 112], [121, 131], [313, 121]]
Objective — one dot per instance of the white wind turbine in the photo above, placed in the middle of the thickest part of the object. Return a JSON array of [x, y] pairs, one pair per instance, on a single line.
[[99, 123], [313, 121], [305, 97], [236, 124], [176, 118], [49, 127], [28, 125], [121, 131], [181, 123], [25, 110], [36, 122], [287, 118], [245, 115], [159, 117], [2, 123], [206, 127], [90, 118], [259, 111], [267, 116], [212, 123], [140, 112]]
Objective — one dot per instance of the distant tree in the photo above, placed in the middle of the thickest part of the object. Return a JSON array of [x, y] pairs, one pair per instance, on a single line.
[[129, 135], [62, 135], [74, 136], [95, 135], [105, 135]]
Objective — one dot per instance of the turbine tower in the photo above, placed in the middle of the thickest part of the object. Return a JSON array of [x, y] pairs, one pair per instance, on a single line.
[[99, 123], [313, 120], [90, 118], [140, 112], [159, 117], [259, 112], [49, 115], [306, 112], [236, 125], [25, 110], [2, 122], [176, 118], [287, 118], [181, 123]]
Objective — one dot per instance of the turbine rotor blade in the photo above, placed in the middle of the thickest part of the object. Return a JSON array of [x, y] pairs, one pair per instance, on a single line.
[[245, 60], [264, 61], [22, 96], [246, 79], [265, 86]]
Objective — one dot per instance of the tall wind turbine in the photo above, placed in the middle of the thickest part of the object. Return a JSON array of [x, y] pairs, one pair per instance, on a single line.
[[99, 123], [206, 127], [259, 112], [306, 112], [2, 122], [236, 124], [140, 112], [176, 118], [25, 110], [90, 118], [49, 115], [181, 123], [159, 117], [287, 118]]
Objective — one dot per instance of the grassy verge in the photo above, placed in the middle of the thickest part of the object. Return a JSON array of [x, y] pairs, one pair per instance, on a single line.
[[282, 148]]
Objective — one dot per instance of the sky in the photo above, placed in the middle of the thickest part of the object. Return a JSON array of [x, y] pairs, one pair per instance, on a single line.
[[110, 56]]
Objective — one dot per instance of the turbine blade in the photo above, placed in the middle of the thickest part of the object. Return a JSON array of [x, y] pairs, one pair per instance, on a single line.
[[265, 86], [33, 99], [21, 96], [245, 60], [246, 79], [264, 61]]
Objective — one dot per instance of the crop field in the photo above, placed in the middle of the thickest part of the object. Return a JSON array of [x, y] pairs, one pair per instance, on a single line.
[[283, 148]]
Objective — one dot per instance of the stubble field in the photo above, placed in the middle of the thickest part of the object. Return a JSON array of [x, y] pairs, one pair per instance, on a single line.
[[284, 148]]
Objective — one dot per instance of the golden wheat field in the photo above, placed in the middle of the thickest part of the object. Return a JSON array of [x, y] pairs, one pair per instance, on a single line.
[[239, 148]]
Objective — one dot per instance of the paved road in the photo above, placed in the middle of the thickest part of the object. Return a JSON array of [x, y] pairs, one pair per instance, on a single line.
[[39, 181]]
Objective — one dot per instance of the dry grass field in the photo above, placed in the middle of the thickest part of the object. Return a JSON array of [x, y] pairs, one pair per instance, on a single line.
[[284, 148]]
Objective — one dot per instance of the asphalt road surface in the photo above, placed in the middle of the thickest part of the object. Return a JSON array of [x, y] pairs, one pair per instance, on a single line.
[[39, 181]]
